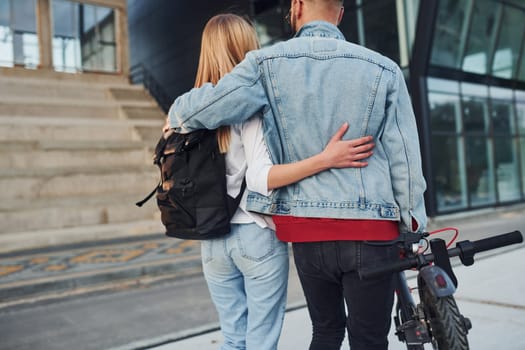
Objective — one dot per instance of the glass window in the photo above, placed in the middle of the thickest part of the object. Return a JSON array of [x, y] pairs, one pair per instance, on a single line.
[[6, 34], [480, 174], [448, 153], [364, 23], [507, 174], [502, 111], [449, 172], [521, 67], [66, 45], [83, 37], [18, 37], [378, 15], [522, 162], [445, 113], [98, 44], [509, 42], [407, 19], [474, 90], [478, 144], [520, 110], [502, 117], [475, 109], [482, 31], [475, 115], [448, 39], [442, 85]]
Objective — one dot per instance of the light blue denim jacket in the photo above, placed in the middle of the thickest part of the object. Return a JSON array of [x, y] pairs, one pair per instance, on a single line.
[[305, 89]]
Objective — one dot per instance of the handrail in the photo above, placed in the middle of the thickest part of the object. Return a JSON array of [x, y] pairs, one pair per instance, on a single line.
[[139, 74]]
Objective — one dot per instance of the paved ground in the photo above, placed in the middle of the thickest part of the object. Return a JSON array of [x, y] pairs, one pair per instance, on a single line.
[[490, 294], [75, 269], [70, 271], [66, 270]]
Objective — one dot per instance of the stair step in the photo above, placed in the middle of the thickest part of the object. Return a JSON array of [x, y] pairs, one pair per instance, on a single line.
[[152, 133], [62, 182], [47, 88], [129, 198], [47, 131], [55, 154], [81, 145], [80, 102], [75, 129], [54, 213], [133, 112], [69, 109], [44, 88], [130, 93], [28, 121], [45, 77], [75, 155], [42, 239]]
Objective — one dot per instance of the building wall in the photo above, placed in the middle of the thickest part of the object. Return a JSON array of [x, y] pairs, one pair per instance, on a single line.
[[165, 37], [473, 143]]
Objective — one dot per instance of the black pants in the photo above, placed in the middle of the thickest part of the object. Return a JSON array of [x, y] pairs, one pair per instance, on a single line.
[[328, 275]]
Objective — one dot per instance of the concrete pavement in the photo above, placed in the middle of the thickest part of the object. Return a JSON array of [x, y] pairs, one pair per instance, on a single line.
[[490, 293], [72, 271], [66, 271]]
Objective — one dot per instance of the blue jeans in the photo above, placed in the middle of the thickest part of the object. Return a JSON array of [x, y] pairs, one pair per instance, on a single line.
[[247, 275], [328, 275]]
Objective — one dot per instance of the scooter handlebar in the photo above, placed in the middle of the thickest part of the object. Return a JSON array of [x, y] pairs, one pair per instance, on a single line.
[[498, 241], [477, 246]]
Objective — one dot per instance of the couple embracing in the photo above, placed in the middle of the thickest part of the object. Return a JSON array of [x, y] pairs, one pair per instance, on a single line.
[[324, 134]]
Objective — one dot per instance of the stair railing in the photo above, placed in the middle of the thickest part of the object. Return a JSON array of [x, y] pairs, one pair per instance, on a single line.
[[139, 74]]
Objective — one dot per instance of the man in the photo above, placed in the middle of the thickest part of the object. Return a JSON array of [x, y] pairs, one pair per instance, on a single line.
[[304, 89]]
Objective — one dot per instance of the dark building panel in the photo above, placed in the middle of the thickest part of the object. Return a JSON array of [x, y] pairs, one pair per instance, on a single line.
[[165, 37]]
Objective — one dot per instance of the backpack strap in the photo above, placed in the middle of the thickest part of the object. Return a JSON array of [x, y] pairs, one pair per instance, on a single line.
[[147, 198], [159, 150], [233, 205]]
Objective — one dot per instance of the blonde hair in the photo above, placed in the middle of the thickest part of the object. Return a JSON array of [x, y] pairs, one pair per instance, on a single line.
[[225, 41]]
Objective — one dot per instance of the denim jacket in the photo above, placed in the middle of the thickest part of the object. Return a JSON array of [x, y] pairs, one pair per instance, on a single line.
[[305, 89]]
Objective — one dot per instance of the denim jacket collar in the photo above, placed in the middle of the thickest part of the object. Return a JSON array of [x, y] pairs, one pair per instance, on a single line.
[[320, 29]]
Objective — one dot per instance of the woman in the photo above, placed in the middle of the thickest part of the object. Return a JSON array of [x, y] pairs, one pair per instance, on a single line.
[[247, 270]]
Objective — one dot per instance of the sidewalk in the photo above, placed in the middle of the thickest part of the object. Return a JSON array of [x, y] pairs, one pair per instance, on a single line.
[[65, 271], [71, 271], [52, 273], [490, 293]]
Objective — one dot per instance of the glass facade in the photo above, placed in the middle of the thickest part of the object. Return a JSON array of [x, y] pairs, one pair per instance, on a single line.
[[450, 33], [386, 26], [477, 144], [83, 37], [483, 28], [477, 123], [476, 130], [480, 36], [18, 35], [448, 144], [364, 23], [520, 117]]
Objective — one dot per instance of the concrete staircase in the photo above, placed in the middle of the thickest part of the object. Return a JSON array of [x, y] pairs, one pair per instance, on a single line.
[[75, 155]]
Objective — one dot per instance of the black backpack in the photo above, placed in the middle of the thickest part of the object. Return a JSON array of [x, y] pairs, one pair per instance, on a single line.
[[192, 195]]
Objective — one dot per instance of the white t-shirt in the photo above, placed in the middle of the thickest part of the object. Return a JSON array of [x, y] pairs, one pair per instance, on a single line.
[[248, 156]]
